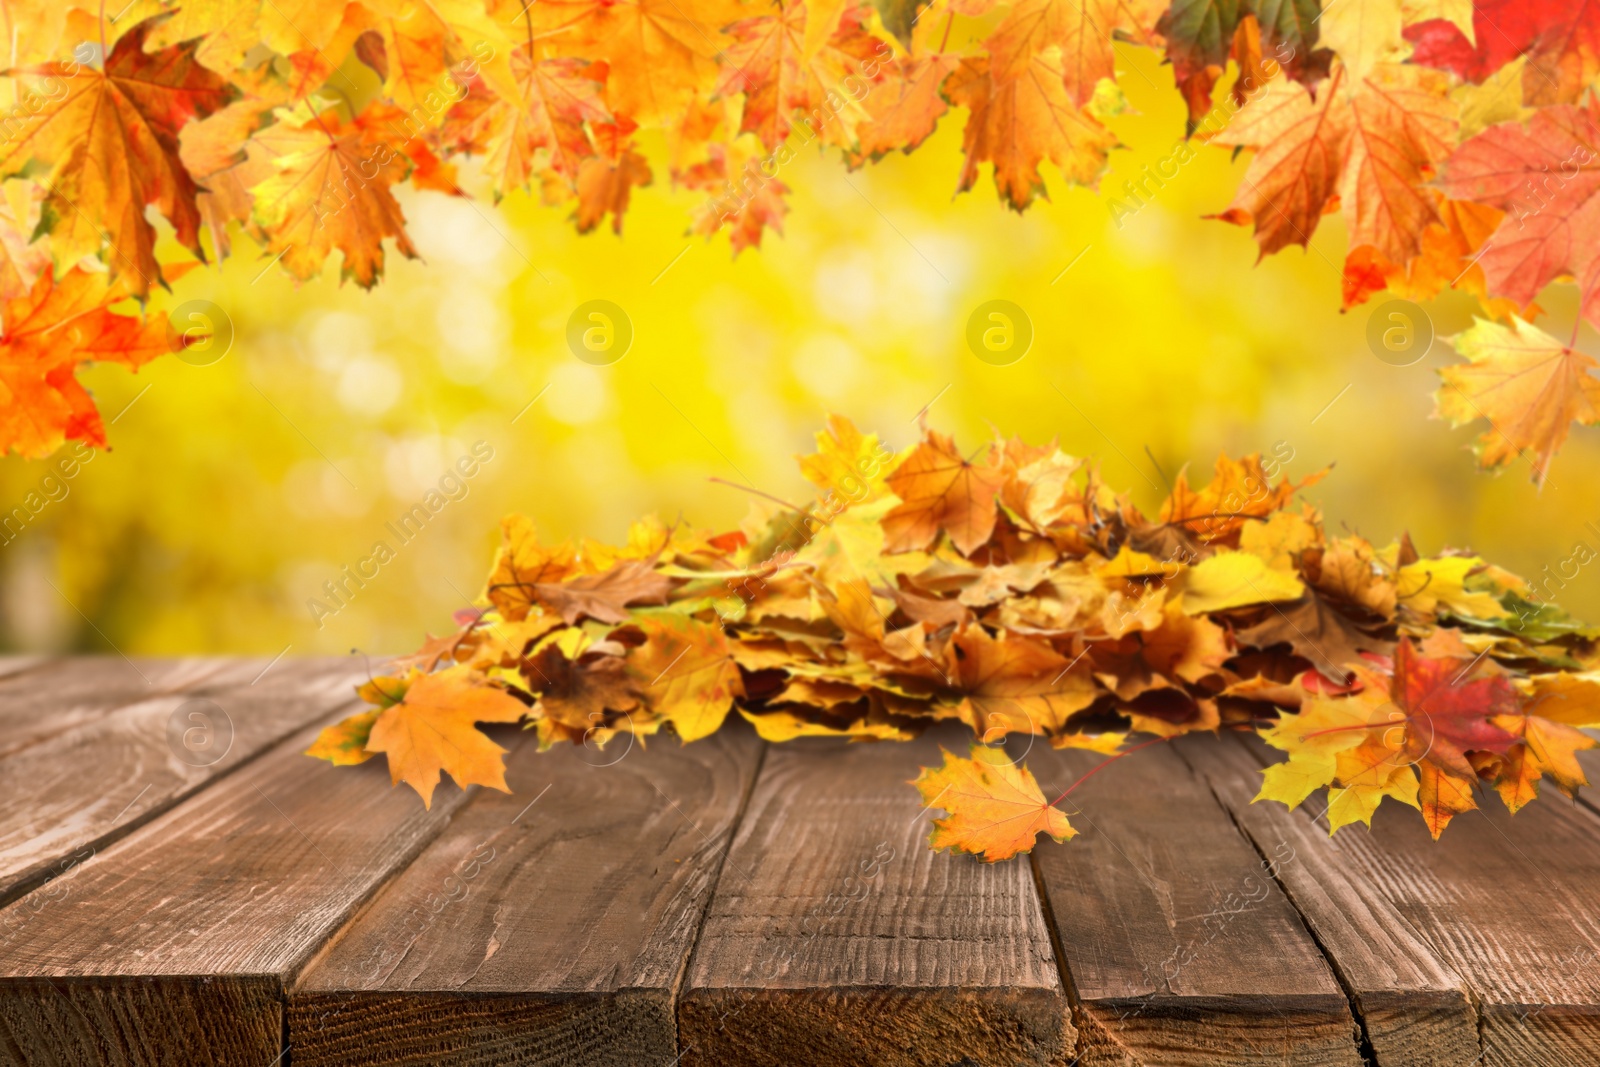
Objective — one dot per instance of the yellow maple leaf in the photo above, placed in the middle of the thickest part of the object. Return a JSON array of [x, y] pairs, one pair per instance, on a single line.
[[1529, 386], [786, 726], [1573, 699], [994, 808], [1367, 774], [1234, 579], [1429, 584], [685, 673], [848, 462], [521, 563], [344, 744], [1442, 796]]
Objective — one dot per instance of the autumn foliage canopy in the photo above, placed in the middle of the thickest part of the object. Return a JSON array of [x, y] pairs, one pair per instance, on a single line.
[[1457, 141], [1011, 590]]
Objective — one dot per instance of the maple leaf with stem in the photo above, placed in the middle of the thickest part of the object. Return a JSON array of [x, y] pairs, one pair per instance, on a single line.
[[109, 139], [1529, 386], [940, 489], [542, 129], [1427, 717], [328, 188]]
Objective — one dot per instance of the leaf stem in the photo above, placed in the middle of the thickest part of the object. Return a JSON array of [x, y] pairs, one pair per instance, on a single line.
[[1097, 768], [757, 492]]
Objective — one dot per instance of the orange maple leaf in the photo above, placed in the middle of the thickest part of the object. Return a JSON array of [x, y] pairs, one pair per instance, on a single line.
[[994, 808], [110, 140], [1371, 142], [662, 53], [604, 186], [433, 729], [49, 333], [1082, 30], [1013, 684], [1018, 122], [941, 490], [557, 96], [903, 110], [1240, 489], [328, 188], [769, 64]]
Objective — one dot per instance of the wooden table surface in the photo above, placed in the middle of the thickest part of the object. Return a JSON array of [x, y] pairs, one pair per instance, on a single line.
[[180, 886]]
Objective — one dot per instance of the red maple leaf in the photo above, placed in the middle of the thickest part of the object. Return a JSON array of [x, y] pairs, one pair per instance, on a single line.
[[1447, 713], [1560, 38]]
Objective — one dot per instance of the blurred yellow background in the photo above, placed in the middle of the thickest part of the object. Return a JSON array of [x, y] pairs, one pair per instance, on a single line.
[[234, 491]]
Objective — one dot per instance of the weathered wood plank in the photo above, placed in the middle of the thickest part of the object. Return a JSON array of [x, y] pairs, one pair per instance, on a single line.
[[1181, 948], [546, 927], [173, 945], [17, 662], [70, 793], [51, 698], [835, 937], [1508, 905], [1415, 1010]]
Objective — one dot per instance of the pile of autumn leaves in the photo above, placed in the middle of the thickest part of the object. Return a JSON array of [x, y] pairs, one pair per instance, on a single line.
[[1016, 593], [1456, 139]]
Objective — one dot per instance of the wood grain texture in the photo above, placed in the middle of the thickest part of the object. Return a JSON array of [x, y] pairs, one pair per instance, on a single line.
[[172, 946], [1415, 1010], [72, 792], [1181, 948], [45, 699], [548, 927], [835, 937], [1508, 905]]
